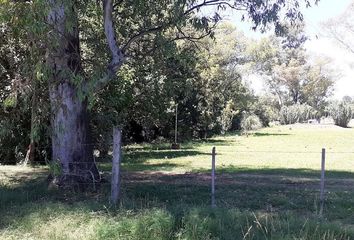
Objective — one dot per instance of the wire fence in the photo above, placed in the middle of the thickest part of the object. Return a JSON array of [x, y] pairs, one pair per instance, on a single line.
[[236, 163]]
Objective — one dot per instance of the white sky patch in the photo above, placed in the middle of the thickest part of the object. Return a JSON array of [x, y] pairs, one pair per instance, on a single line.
[[319, 45]]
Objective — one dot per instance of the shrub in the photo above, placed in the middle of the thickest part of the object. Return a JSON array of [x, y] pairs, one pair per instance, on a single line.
[[250, 122], [296, 113], [341, 112]]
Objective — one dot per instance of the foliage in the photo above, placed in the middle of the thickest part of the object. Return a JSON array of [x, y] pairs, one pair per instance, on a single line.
[[205, 84], [227, 116], [266, 108], [340, 28], [250, 122], [296, 113], [290, 74], [24, 112], [319, 84], [54, 168], [341, 113]]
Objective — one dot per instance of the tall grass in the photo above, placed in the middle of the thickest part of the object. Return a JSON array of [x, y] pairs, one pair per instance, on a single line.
[[62, 222]]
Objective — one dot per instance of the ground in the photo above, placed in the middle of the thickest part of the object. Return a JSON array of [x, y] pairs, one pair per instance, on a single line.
[[267, 187]]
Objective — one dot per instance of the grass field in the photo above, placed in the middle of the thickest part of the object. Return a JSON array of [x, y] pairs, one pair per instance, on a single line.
[[267, 188], [296, 146]]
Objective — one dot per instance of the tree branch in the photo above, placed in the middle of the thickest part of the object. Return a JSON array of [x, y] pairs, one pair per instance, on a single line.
[[171, 22], [117, 53], [141, 34]]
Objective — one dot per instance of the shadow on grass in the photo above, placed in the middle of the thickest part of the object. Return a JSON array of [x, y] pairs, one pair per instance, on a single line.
[[144, 160], [141, 156], [157, 146], [127, 166], [213, 142], [259, 134], [137, 161], [184, 145]]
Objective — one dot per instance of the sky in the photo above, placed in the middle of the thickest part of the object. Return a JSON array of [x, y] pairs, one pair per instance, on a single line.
[[317, 45]]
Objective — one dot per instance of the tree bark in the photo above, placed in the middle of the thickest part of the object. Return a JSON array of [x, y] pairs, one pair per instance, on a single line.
[[69, 117], [71, 145], [70, 137]]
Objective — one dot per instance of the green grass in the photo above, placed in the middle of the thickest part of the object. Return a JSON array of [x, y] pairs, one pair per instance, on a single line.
[[296, 146], [267, 188]]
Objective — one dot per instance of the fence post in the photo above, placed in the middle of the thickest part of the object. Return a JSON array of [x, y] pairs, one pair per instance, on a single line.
[[176, 124], [323, 162], [213, 205], [115, 184]]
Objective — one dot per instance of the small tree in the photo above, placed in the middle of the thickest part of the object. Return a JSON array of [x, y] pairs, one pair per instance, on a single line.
[[341, 113]]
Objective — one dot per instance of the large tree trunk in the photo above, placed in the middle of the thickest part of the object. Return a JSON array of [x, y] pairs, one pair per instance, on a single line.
[[69, 117], [71, 143]]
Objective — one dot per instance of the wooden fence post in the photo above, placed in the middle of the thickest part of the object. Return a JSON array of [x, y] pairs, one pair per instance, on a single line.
[[115, 184], [323, 163], [213, 205]]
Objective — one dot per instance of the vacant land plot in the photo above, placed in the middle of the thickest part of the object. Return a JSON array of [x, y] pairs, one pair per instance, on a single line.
[[267, 188]]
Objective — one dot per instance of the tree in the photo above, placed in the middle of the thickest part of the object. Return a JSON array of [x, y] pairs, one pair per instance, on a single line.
[[281, 60], [341, 28], [23, 88], [70, 88], [291, 77], [266, 108], [222, 93], [341, 112], [347, 99], [318, 85], [289, 73]]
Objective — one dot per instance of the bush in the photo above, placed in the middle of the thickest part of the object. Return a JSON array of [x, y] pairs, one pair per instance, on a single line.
[[296, 113], [250, 122], [341, 113]]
